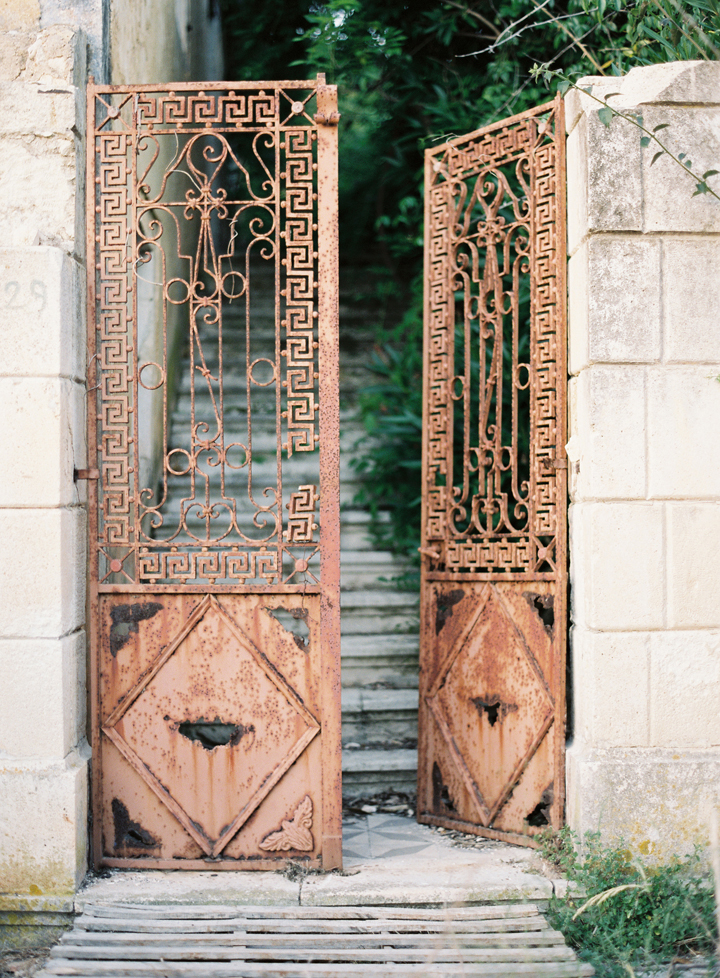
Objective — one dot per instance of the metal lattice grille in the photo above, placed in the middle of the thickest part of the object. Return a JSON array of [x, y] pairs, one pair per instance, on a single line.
[[204, 202], [495, 302], [493, 592]]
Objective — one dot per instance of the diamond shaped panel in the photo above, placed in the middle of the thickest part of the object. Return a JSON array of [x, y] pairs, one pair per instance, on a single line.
[[491, 705], [212, 672]]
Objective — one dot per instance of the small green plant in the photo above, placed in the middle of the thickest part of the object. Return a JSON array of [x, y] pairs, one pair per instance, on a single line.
[[623, 916]]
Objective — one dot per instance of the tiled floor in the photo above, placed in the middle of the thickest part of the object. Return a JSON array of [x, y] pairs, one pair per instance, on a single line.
[[380, 837]]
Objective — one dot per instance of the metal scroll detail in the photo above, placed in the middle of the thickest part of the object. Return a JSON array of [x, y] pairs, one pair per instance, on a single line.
[[494, 317], [295, 832], [202, 197], [493, 592]]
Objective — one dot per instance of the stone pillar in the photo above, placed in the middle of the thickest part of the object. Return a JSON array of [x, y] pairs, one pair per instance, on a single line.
[[644, 300], [43, 751]]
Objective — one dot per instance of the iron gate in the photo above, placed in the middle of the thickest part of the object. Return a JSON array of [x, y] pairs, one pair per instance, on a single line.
[[213, 468], [493, 603]]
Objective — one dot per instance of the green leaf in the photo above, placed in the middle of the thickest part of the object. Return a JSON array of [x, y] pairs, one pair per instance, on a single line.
[[702, 188], [681, 156], [563, 86], [663, 125], [645, 141], [657, 156], [710, 173], [605, 115]]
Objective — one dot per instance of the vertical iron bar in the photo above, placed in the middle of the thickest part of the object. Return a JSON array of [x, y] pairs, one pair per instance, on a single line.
[[328, 366]]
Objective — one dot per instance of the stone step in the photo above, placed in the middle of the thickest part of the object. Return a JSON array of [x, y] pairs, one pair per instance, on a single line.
[[370, 716], [391, 658], [380, 616], [368, 771]]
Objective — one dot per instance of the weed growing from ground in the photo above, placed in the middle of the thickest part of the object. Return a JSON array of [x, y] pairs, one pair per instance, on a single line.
[[626, 917]]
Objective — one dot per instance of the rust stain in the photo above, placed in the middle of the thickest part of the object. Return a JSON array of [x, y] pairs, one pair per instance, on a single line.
[[445, 603], [125, 620]]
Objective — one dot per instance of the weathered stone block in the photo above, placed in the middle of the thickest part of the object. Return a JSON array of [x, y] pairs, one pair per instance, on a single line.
[[656, 800], [615, 190], [611, 431], [683, 432], [37, 191], [42, 699], [578, 299], [42, 572], [619, 554], [668, 190], [691, 299], [609, 670], [693, 565], [27, 110], [684, 82], [623, 300], [19, 14], [43, 314], [43, 825], [56, 57], [13, 54], [577, 187], [42, 424], [685, 678]]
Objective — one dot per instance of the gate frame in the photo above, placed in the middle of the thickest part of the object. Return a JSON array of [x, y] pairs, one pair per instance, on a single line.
[[327, 306], [430, 556]]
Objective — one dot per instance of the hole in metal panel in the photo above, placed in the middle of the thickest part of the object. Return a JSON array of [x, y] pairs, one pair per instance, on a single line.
[[493, 708], [543, 604], [214, 733], [129, 833], [540, 815], [442, 802], [293, 620]]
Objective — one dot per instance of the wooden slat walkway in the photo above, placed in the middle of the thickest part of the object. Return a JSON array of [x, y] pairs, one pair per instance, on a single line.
[[311, 942]]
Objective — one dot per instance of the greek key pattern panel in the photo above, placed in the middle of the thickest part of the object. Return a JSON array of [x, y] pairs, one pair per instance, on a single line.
[[300, 314], [494, 322], [205, 346], [114, 348]]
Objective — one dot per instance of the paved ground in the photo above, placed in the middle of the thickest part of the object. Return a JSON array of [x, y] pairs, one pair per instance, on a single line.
[[388, 860]]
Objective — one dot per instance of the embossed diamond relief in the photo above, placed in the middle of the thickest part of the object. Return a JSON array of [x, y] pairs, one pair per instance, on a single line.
[[491, 705], [211, 678]]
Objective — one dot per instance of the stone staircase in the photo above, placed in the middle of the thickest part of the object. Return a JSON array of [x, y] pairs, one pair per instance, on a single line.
[[379, 637]]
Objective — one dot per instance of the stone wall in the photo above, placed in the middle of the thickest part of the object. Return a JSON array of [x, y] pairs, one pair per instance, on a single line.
[[644, 299], [45, 58], [44, 756]]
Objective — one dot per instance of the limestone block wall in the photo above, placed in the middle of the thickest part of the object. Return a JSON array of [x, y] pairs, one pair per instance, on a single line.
[[47, 50], [43, 752], [644, 305]]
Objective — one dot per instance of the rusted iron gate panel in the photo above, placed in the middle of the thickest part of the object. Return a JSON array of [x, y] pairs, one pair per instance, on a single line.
[[214, 499], [493, 606]]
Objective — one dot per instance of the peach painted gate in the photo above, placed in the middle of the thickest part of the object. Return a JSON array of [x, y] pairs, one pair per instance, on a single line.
[[213, 474], [494, 576]]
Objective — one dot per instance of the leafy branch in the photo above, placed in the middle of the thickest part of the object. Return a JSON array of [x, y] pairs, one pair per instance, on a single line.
[[606, 114]]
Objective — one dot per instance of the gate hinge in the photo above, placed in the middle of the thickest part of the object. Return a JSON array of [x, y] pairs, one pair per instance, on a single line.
[[86, 474], [553, 463], [327, 118]]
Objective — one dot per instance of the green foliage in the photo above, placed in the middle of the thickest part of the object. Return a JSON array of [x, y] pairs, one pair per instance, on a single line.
[[391, 409], [412, 73], [640, 916]]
